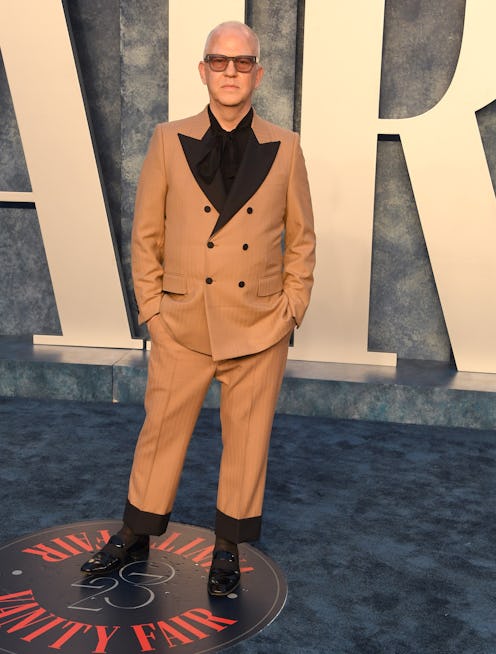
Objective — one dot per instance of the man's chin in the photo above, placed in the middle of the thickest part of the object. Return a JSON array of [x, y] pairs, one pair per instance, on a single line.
[[231, 102]]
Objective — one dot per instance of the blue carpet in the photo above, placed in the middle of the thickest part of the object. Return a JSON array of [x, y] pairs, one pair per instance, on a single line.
[[386, 532]]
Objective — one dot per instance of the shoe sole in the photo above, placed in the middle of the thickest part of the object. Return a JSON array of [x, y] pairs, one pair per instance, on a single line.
[[212, 594]]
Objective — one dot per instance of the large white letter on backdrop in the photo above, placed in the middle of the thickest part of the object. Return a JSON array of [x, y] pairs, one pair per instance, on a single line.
[[66, 187], [448, 171], [454, 193]]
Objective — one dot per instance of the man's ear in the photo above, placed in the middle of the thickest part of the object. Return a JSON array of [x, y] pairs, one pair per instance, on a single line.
[[201, 69], [258, 76]]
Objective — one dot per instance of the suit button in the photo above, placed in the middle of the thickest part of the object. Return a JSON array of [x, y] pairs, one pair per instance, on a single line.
[[241, 284], [210, 245], [245, 246], [209, 280], [207, 209], [249, 210]]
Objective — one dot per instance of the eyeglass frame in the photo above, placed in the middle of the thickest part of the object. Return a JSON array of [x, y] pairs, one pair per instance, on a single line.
[[253, 60]]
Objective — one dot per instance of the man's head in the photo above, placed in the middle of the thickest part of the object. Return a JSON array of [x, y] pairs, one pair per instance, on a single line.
[[233, 86]]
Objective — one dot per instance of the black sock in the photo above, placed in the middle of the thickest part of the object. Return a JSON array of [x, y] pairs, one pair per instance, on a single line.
[[225, 545], [127, 535]]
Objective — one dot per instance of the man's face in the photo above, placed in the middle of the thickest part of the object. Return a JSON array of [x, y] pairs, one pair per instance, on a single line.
[[230, 88]]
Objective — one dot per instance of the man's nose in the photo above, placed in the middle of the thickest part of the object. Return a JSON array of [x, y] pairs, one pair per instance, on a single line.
[[231, 68]]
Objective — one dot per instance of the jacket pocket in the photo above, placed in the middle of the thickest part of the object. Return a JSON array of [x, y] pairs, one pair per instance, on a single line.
[[174, 283], [269, 285]]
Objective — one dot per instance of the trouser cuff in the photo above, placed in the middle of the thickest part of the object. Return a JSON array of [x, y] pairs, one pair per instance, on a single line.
[[142, 522], [237, 531]]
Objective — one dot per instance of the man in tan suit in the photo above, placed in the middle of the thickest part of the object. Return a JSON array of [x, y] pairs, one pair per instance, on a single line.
[[223, 251]]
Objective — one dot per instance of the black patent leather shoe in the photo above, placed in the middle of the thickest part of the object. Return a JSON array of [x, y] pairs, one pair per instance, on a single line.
[[115, 554], [224, 576]]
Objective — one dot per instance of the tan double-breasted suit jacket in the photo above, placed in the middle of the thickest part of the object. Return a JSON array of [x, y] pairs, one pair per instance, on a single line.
[[231, 275]]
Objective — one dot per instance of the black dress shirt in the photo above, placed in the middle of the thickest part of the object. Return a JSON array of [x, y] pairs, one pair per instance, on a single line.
[[226, 150]]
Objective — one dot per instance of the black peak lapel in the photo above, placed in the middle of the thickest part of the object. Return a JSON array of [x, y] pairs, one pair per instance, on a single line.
[[194, 151], [254, 168]]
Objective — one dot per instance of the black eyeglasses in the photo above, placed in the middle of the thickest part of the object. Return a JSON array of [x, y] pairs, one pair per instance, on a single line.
[[242, 63]]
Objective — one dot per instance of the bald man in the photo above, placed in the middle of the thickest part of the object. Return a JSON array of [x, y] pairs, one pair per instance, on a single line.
[[223, 251]]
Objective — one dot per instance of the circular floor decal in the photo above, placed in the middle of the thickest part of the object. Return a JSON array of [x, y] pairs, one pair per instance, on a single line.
[[157, 605]]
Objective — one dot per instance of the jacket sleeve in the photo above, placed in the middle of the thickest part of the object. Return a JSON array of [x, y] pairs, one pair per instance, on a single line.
[[299, 253], [147, 241]]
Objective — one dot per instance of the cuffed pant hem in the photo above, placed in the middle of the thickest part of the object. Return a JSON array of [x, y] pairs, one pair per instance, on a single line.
[[142, 522], [237, 531]]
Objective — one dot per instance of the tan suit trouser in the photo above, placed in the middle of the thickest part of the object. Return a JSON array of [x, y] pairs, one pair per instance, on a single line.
[[178, 380]]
